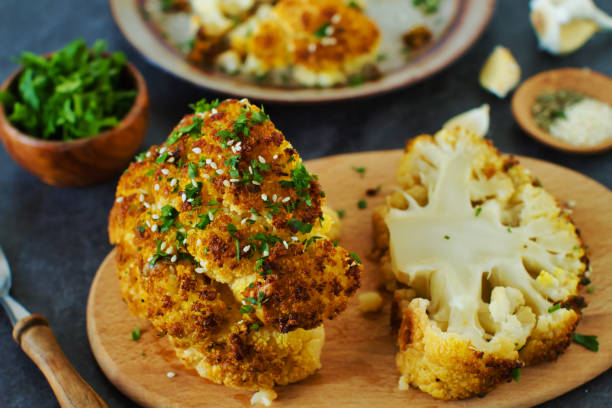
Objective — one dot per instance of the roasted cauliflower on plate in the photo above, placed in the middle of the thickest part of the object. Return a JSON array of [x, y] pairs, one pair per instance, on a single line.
[[222, 243], [485, 264]]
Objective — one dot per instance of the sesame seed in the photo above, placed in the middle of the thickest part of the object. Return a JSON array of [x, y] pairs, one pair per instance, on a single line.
[[286, 199], [173, 182], [275, 156], [230, 142], [571, 204], [234, 180], [261, 159], [183, 230], [165, 171], [146, 205], [170, 374], [246, 248], [329, 30], [257, 183], [193, 183], [190, 200], [148, 154], [243, 221], [250, 170], [285, 244], [264, 197], [185, 241], [213, 165], [141, 198], [206, 176], [162, 246], [265, 253], [244, 100], [119, 199], [154, 227], [148, 223], [155, 217], [294, 238], [149, 259], [274, 197], [336, 18], [196, 150], [199, 242], [199, 270], [170, 250], [184, 197], [210, 216], [327, 41], [162, 150], [219, 171], [171, 160], [312, 47], [156, 187], [214, 111], [173, 259], [226, 183], [203, 264]]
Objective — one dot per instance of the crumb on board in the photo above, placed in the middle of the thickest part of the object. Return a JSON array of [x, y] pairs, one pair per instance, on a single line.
[[264, 397], [171, 374], [370, 302]]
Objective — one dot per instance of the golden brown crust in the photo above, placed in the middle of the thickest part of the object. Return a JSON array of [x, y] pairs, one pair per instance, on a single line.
[[216, 242]]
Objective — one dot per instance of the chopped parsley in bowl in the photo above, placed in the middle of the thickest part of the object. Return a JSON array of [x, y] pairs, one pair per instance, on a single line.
[[74, 93], [75, 117]]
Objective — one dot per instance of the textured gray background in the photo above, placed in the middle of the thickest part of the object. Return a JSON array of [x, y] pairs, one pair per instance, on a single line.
[[55, 238]]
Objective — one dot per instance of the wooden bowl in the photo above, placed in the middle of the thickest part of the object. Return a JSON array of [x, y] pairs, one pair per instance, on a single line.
[[582, 80], [81, 162]]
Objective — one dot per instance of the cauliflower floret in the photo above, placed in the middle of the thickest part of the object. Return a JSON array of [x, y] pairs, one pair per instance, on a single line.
[[487, 254]]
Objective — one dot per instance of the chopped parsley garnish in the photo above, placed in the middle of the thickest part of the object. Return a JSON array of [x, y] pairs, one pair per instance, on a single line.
[[554, 308], [192, 130], [354, 4], [516, 374], [356, 80], [297, 225], [509, 230], [161, 159], [168, 217], [203, 105], [446, 237], [141, 228], [205, 219], [360, 170], [300, 182], [311, 240], [75, 93], [193, 193], [478, 211], [355, 257], [341, 213], [192, 170], [587, 341], [427, 6], [591, 289], [254, 326], [361, 204], [322, 31], [159, 254], [140, 157], [179, 239], [259, 267], [136, 334], [246, 309]]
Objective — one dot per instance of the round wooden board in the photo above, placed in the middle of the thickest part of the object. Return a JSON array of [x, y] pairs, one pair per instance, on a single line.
[[359, 354]]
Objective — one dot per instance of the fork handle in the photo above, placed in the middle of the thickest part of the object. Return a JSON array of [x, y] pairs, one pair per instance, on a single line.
[[36, 338]]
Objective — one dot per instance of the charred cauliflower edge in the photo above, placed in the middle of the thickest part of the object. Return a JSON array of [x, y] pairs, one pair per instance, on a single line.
[[222, 244], [487, 264]]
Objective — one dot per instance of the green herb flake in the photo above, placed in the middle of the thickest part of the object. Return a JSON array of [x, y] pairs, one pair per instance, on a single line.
[[590, 342], [192, 170], [297, 225], [360, 170], [554, 308], [246, 309], [341, 213], [478, 211], [136, 334], [355, 257], [362, 204], [446, 237], [203, 105], [591, 289], [516, 374], [322, 30]]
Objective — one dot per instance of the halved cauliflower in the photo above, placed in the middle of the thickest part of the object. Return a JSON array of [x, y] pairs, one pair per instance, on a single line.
[[492, 262], [222, 244]]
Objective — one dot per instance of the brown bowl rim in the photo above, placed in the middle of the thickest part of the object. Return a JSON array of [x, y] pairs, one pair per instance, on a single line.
[[135, 111]]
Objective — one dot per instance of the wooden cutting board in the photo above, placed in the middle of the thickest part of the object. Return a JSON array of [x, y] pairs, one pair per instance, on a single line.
[[359, 354]]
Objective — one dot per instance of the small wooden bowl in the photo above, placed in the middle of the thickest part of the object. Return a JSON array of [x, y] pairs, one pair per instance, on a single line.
[[81, 162], [582, 80]]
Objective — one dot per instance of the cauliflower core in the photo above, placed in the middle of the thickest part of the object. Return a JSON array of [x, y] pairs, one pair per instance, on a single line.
[[487, 253], [222, 244]]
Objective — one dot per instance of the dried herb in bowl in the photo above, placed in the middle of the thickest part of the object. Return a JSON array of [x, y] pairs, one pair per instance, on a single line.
[[76, 92]]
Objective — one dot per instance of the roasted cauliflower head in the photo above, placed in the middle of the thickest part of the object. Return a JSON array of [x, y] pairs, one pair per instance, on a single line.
[[314, 42], [222, 243], [491, 262]]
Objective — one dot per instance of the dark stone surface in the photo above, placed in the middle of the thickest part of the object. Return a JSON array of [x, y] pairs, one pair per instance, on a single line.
[[55, 238]]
